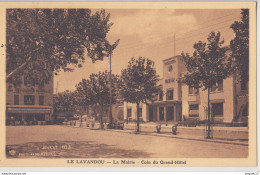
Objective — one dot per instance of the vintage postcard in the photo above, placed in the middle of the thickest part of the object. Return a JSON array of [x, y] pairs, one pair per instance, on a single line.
[[128, 84]]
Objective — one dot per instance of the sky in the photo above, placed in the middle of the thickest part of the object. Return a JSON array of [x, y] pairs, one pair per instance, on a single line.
[[150, 33]]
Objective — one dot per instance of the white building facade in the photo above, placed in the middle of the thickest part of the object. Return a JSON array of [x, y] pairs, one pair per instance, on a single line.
[[178, 102]]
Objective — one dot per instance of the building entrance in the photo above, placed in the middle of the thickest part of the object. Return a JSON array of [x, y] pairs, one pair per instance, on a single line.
[[150, 113], [161, 113], [170, 113]]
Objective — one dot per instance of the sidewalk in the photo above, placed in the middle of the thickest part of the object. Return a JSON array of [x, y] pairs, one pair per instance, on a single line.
[[233, 129], [187, 137], [225, 135]]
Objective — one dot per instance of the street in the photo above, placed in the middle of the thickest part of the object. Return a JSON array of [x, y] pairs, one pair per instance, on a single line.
[[54, 141]]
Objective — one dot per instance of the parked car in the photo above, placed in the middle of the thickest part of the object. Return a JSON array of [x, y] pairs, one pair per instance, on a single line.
[[116, 125]]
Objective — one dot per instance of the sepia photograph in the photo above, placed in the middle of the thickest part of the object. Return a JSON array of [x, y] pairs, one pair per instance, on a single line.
[[129, 86]]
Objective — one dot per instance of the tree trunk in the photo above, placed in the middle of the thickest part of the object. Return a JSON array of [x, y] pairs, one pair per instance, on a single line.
[[137, 115], [208, 133], [80, 121], [126, 113], [95, 111], [235, 118], [101, 119]]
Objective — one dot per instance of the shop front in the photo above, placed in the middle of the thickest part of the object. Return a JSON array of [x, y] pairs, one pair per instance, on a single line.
[[28, 115]]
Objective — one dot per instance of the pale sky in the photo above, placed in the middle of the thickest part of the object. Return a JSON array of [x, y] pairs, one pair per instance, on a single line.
[[150, 34]]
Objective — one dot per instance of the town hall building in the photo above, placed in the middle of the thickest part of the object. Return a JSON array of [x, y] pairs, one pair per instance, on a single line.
[[178, 102]]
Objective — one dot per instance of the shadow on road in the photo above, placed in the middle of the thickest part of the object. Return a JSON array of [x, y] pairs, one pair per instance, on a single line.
[[70, 149]]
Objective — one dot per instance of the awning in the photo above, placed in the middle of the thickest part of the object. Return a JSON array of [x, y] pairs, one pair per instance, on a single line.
[[28, 111]]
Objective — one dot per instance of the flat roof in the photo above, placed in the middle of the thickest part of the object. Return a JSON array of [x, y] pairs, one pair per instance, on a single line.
[[171, 58]]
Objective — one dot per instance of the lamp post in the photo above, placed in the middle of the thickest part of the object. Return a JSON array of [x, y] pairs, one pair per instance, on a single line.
[[209, 117], [110, 51], [110, 89], [166, 108]]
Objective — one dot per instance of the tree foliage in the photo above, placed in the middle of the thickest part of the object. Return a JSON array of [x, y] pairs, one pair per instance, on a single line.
[[65, 102], [40, 41], [209, 63], [139, 81], [95, 91], [240, 44]]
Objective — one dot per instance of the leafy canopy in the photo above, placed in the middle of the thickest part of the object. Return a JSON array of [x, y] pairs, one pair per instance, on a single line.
[[209, 63], [96, 89], [139, 81], [45, 40], [65, 102], [240, 44]]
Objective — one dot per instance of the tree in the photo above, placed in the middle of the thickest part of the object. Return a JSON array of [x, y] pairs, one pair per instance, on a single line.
[[40, 41], [208, 65], [83, 93], [65, 102], [240, 44], [139, 82], [96, 91]]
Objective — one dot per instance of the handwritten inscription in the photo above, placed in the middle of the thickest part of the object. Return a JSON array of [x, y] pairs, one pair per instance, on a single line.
[[39, 151]]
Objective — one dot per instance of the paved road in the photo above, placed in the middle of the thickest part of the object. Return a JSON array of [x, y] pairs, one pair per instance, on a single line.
[[64, 142]]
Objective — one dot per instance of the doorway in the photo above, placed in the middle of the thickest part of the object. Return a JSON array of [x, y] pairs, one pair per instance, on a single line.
[[161, 113], [150, 113], [170, 113]]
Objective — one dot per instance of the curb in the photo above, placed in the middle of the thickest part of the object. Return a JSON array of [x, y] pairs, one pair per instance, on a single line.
[[164, 135], [195, 128], [184, 138]]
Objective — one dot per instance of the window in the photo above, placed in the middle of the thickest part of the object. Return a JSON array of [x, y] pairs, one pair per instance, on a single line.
[[16, 99], [169, 94], [29, 100], [194, 107], [194, 110], [220, 85], [217, 109], [217, 87], [41, 100], [196, 91], [213, 88], [140, 112], [193, 91], [129, 112], [170, 68]]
